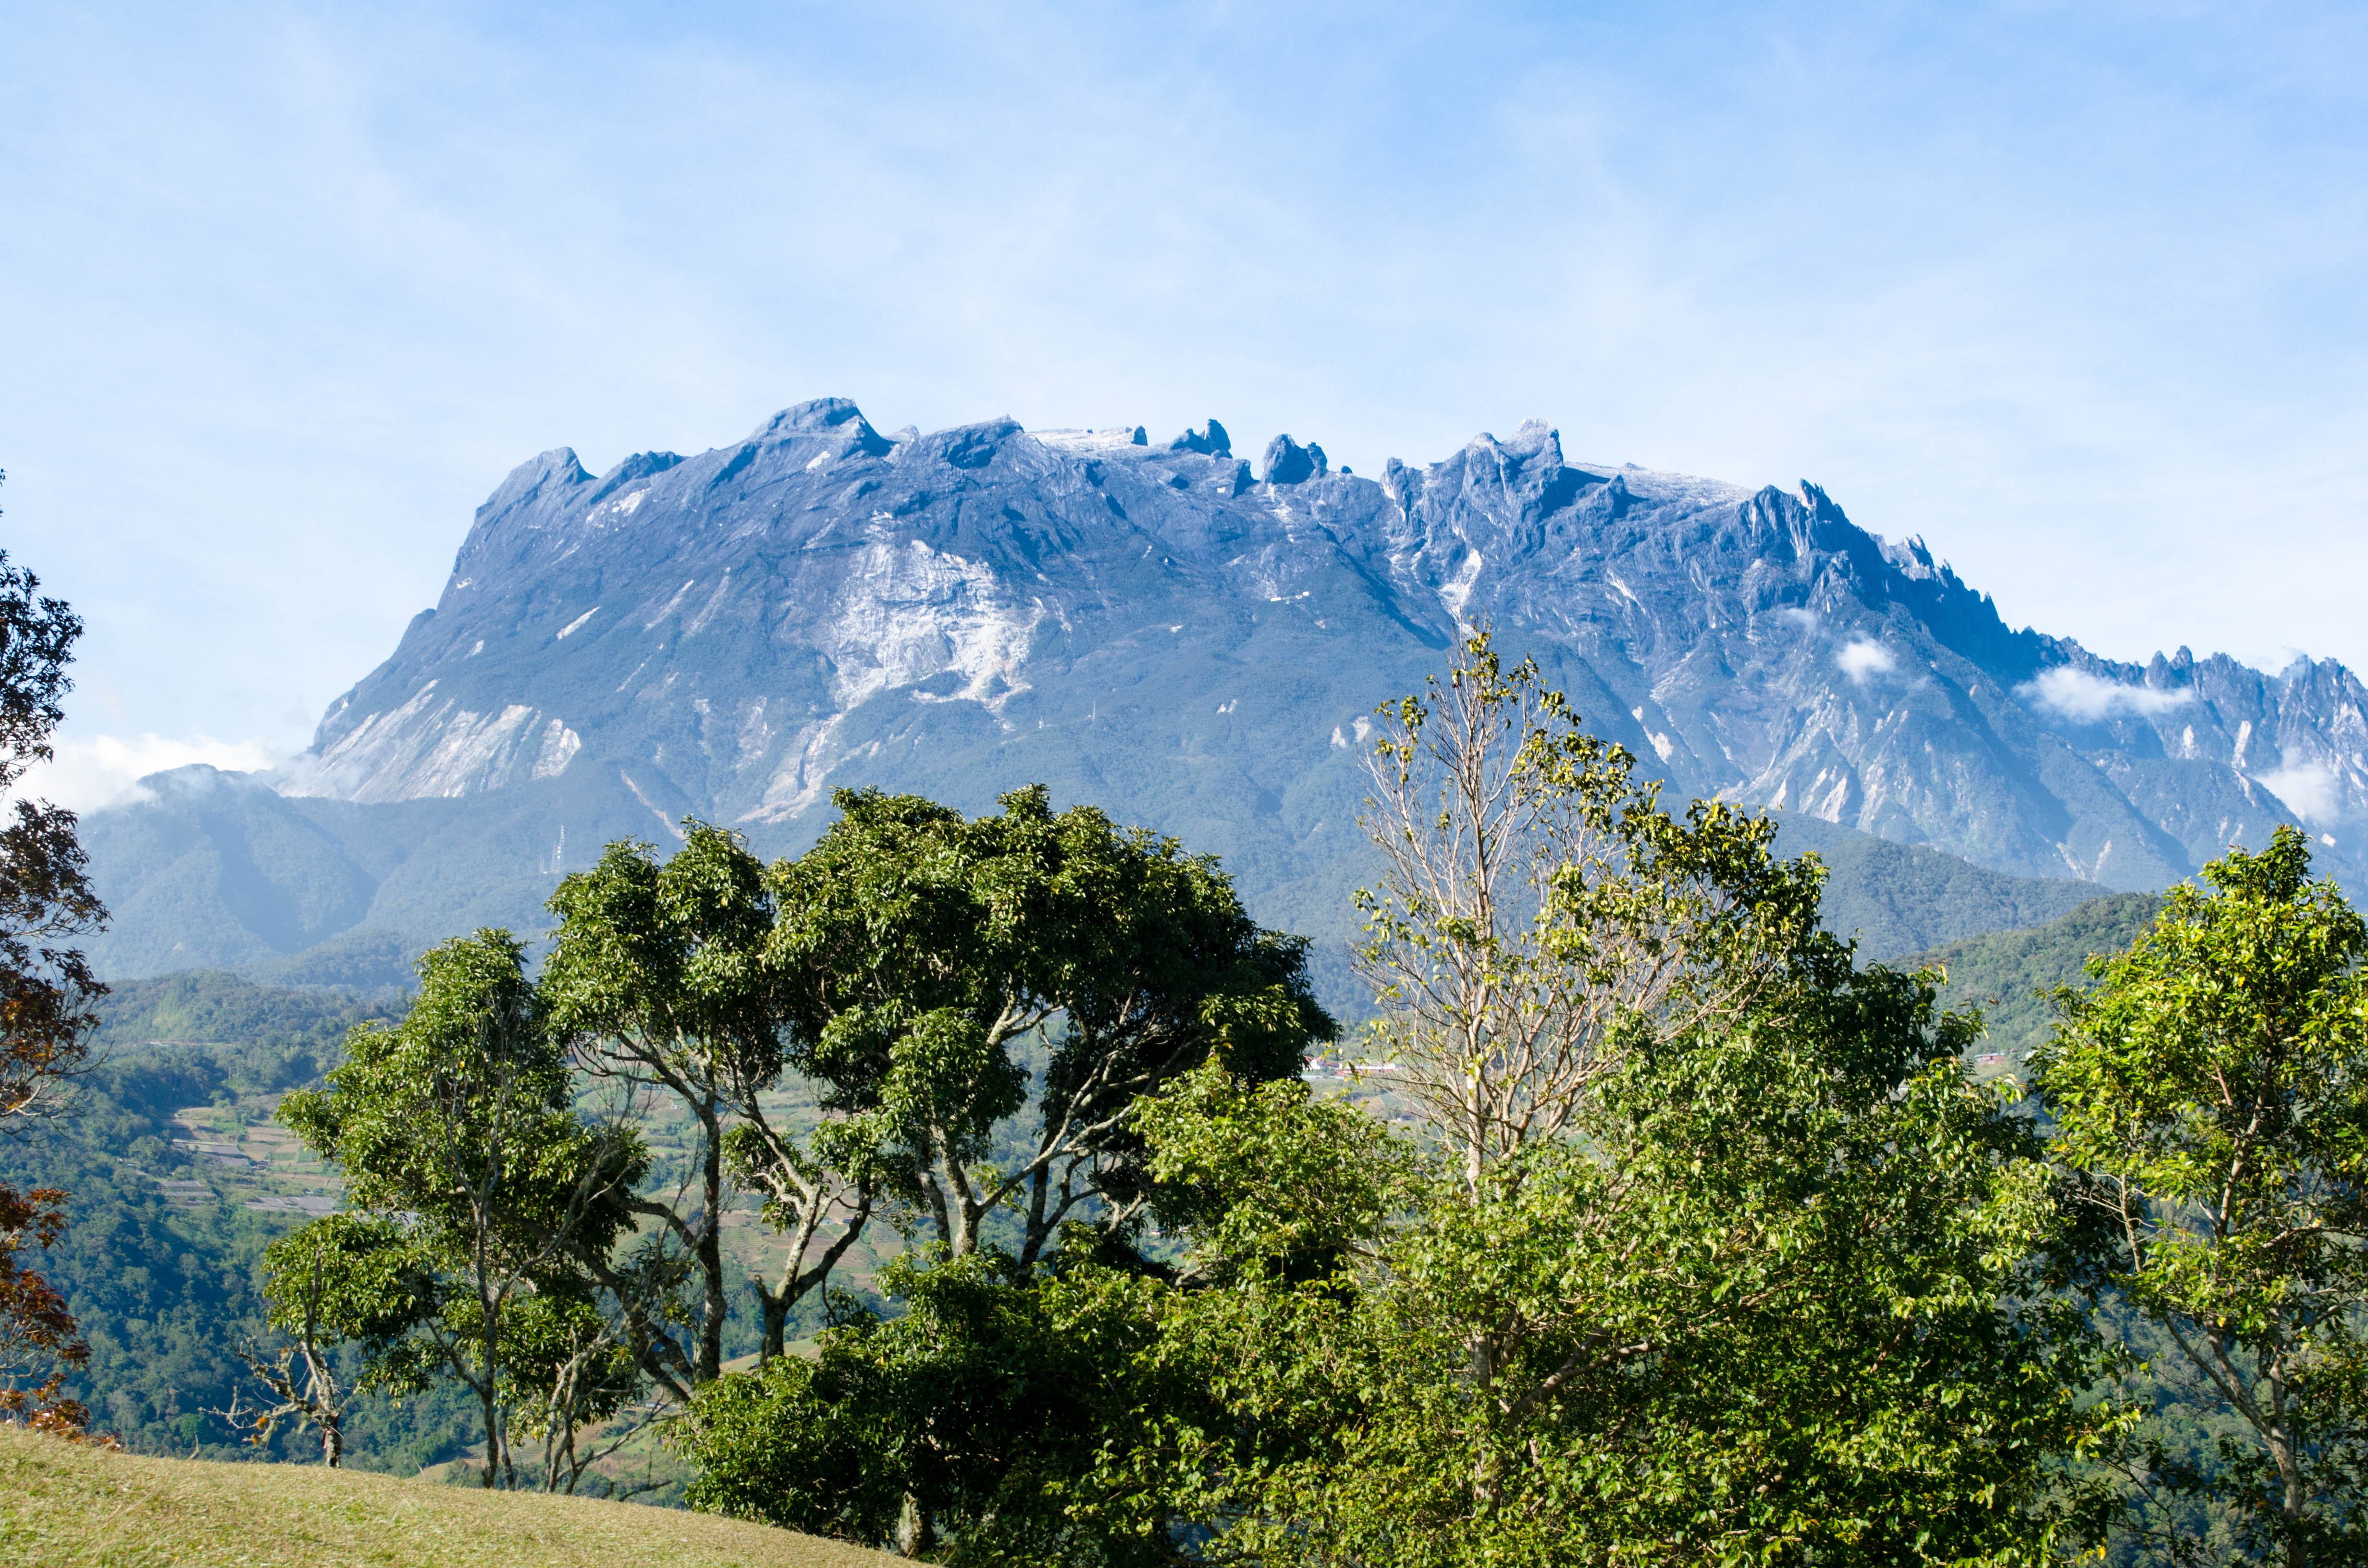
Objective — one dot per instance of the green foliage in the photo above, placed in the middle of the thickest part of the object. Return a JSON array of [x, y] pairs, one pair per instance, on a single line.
[[2213, 1090], [657, 977], [1783, 1299], [1540, 914], [166, 1292], [1709, 1251], [964, 1428], [473, 1189], [924, 952], [2012, 975], [1899, 899], [260, 1039], [979, 1002]]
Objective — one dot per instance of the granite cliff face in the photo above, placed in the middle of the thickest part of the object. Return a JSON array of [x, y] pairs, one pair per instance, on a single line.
[[1196, 645]]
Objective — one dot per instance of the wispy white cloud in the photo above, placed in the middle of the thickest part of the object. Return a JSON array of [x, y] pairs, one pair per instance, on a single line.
[[2307, 787], [105, 770], [1861, 658], [2079, 693]]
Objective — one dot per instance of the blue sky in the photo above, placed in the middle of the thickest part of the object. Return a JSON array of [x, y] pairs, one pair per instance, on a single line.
[[2074, 292]]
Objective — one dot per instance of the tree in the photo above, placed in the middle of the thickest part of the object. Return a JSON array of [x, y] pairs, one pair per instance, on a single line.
[[1786, 1293], [314, 1304], [958, 1431], [38, 1342], [1538, 907], [976, 1002], [1706, 1250], [945, 975], [2213, 1092], [474, 1188], [578, 1366], [47, 990], [1539, 916], [658, 977]]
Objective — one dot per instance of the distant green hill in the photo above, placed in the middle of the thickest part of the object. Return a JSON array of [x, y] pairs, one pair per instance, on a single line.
[[2005, 972], [1901, 898], [178, 1179], [211, 1007], [162, 1262]]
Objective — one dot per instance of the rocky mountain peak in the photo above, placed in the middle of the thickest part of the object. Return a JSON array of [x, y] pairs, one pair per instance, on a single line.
[[1288, 463], [1210, 440], [737, 633]]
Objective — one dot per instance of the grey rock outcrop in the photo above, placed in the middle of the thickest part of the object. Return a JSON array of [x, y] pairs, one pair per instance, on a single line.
[[1288, 463], [1211, 441]]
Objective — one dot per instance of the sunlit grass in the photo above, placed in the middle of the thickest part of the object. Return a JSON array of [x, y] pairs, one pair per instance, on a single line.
[[64, 1504]]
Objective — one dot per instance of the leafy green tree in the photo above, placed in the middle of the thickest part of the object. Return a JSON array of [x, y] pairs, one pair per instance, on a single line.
[[46, 991], [1539, 916], [2212, 1088], [960, 1430], [977, 1003], [1705, 1250], [39, 1342], [342, 1277], [577, 1365], [474, 1189], [1540, 913], [947, 975], [659, 977], [48, 994], [1786, 1293]]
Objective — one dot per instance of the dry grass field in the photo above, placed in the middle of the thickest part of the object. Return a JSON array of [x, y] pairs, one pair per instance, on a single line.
[[62, 1504]]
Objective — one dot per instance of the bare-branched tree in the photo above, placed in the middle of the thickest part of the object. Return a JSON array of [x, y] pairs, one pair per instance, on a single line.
[[1538, 911], [298, 1377]]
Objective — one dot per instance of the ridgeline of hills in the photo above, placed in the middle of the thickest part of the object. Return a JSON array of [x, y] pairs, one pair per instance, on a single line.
[[1194, 645]]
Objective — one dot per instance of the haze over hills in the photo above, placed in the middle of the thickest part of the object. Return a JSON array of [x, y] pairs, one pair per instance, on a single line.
[[1160, 629]]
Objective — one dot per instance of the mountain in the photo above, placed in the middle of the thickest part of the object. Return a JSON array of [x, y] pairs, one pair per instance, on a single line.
[[1193, 644]]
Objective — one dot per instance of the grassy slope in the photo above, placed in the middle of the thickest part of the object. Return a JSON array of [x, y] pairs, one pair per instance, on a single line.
[[62, 1504]]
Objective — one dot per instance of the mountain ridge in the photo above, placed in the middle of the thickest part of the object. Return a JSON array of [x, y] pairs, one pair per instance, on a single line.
[[1157, 629]]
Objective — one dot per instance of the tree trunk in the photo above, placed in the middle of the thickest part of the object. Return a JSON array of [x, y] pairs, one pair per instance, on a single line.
[[2297, 1552], [321, 1389], [915, 1532], [711, 1249], [2279, 1434], [493, 1435], [775, 1305]]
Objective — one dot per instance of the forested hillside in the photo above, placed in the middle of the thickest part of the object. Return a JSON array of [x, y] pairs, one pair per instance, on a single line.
[[162, 1265], [1895, 898], [2007, 975]]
